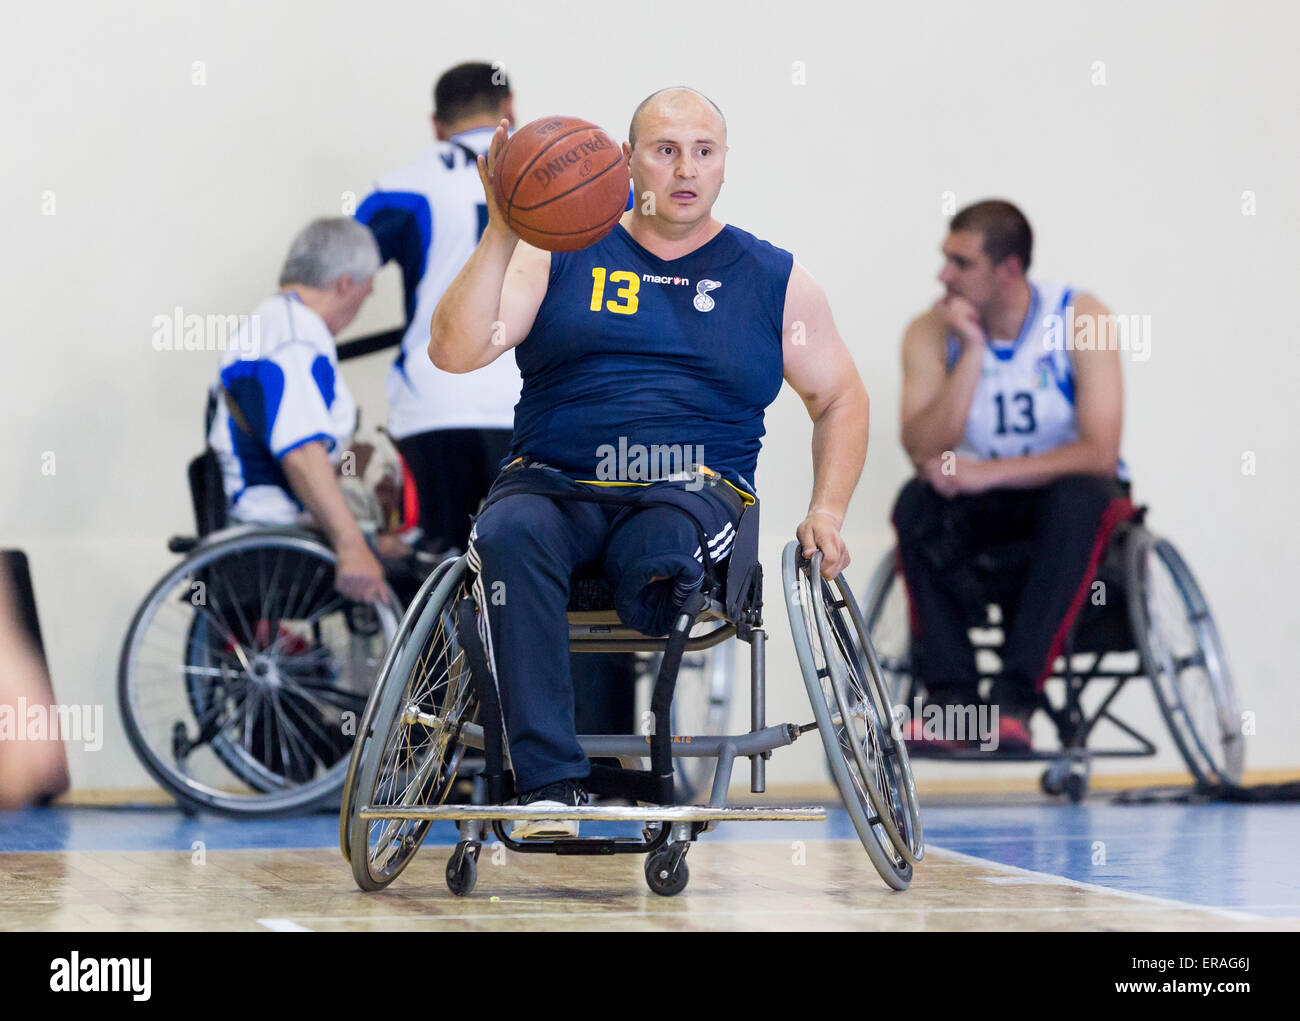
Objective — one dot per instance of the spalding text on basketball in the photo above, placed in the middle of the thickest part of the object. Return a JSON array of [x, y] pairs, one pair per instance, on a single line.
[[552, 168]]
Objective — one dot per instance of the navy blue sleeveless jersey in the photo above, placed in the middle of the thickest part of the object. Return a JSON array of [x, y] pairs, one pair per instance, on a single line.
[[633, 353]]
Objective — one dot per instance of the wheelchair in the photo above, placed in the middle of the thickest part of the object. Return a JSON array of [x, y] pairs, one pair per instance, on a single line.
[[436, 699], [1152, 623], [244, 671]]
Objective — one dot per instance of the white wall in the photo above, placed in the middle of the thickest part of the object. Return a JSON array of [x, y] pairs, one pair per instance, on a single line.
[[167, 192]]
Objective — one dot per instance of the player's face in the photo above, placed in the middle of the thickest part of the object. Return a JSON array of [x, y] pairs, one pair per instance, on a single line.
[[680, 159], [351, 297], [967, 272]]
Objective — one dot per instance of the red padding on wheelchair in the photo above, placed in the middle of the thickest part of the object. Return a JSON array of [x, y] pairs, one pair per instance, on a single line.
[[1117, 511]]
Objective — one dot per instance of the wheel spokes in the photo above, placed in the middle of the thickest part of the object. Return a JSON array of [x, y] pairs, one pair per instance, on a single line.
[[268, 663], [417, 762]]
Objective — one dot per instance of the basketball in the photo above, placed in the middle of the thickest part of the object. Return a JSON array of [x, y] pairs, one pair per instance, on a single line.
[[561, 183]]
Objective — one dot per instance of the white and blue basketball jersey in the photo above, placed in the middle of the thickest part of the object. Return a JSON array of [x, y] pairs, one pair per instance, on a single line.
[[285, 384], [429, 216], [1024, 403]]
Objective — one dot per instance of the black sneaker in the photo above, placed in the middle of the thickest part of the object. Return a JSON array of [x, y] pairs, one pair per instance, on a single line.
[[561, 794]]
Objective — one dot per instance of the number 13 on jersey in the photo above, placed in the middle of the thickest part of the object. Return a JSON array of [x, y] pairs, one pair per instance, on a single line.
[[624, 301]]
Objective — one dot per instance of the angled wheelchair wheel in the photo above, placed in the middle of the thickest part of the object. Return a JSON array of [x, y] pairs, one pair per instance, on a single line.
[[396, 648], [1184, 658], [706, 683], [244, 670], [886, 614], [868, 760], [410, 750]]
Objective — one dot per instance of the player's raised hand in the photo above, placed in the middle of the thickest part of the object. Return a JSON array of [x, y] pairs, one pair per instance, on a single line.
[[962, 319], [942, 482], [487, 166], [359, 575]]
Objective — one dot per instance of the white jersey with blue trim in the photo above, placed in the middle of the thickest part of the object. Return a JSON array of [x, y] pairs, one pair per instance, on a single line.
[[429, 216], [1024, 403], [284, 380]]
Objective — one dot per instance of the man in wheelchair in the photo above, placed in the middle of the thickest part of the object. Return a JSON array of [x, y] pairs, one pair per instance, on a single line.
[[648, 359], [283, 412], [1013, 423]]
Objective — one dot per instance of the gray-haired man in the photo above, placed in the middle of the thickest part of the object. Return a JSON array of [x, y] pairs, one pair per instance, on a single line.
[[285, 414]]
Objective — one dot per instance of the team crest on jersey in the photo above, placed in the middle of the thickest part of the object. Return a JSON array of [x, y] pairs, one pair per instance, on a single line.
[[1044, 372], [702, 300]]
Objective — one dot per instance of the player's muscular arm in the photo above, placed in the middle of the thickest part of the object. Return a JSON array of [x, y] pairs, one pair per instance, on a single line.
[[1099, 404], [820, 369], [491, 305], [935, 402]]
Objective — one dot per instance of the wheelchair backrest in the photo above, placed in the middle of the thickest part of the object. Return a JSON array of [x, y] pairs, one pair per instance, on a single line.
[[996, 576], [207, 492], [207, 488]]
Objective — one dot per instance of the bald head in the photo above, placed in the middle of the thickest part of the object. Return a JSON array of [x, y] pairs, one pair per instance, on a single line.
[[676, 101]]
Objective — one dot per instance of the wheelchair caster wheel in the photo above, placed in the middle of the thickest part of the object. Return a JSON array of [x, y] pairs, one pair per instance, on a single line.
[[462, 870], [1076, 786], [1051, 783], [666, 872]]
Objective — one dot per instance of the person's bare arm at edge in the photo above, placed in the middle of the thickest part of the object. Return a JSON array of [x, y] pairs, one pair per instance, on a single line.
[[820, 369], [490, 306]]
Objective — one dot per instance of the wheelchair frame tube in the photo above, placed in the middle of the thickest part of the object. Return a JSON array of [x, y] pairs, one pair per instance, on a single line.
[[661, 699], [757, 639]]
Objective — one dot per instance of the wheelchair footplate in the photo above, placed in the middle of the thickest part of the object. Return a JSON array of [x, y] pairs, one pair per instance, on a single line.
[[595, 813]]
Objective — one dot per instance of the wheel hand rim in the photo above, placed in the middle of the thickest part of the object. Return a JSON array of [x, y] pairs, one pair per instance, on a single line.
[[910, 849]]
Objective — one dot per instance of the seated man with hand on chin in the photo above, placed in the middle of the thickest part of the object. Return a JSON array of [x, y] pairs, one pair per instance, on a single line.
[[1015, 431]]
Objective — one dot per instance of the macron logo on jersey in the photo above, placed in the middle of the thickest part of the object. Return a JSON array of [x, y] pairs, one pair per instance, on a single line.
[[701, 301]]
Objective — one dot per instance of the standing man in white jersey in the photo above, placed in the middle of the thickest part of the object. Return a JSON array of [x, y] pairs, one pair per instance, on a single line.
[[452, 431], [1015, 434]]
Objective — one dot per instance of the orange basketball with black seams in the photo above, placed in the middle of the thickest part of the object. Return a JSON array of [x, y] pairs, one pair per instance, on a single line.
[[561, 183]]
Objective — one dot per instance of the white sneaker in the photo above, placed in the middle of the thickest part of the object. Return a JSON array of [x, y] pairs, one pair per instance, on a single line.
[[559, 795]]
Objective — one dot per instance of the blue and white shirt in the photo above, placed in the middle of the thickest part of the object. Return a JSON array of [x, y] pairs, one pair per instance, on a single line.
[[285, 381], [429, 216], [1025, 402]]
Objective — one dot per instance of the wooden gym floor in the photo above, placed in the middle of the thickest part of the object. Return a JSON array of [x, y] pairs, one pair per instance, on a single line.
[[1012, 860]]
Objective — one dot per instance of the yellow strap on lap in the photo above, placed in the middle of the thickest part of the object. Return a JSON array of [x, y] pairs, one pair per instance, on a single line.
[[746, 498]]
